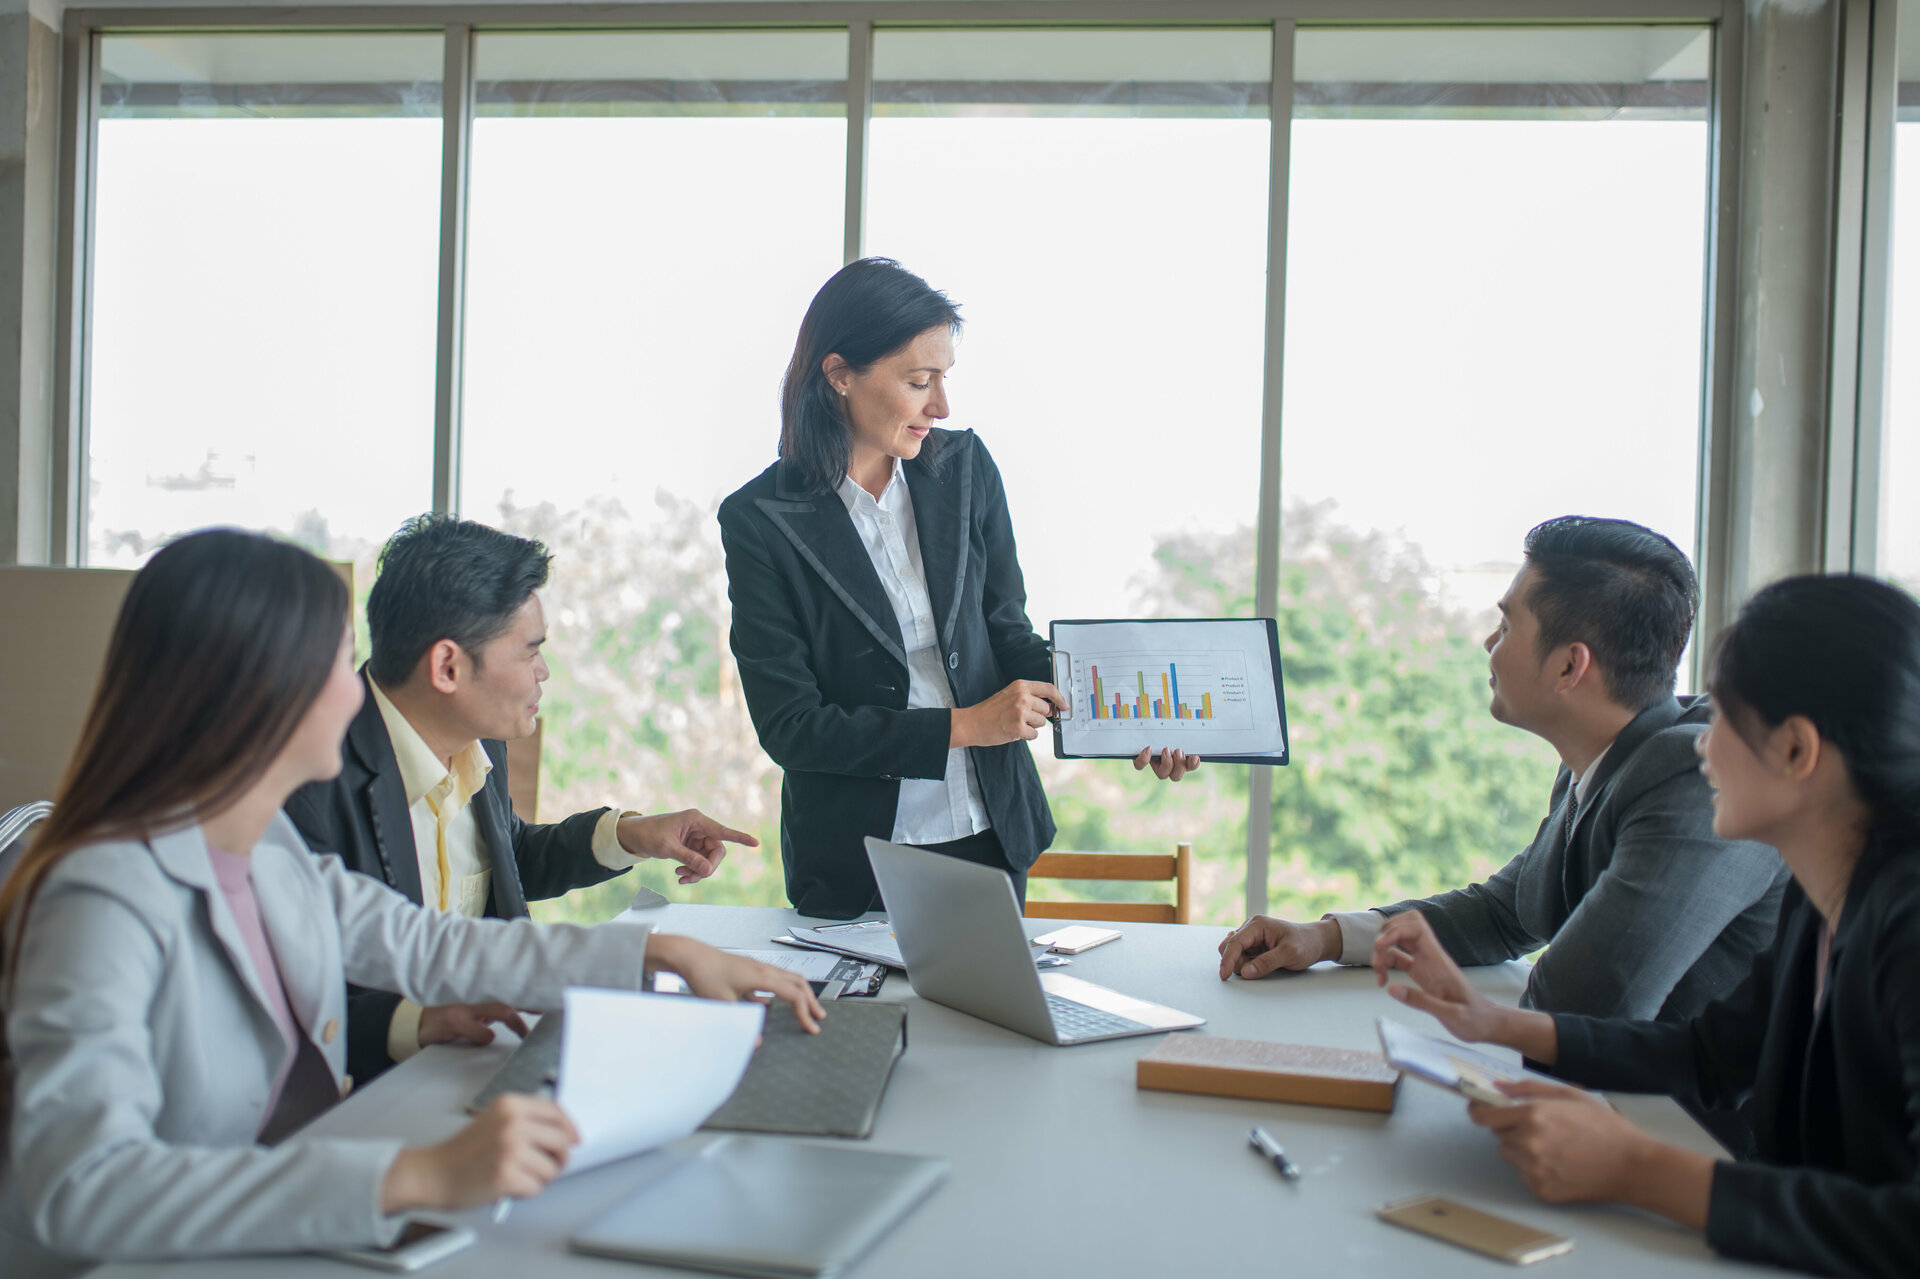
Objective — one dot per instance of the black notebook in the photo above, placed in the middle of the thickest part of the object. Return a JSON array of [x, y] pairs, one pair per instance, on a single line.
[[824, 1085], [762, 1206]]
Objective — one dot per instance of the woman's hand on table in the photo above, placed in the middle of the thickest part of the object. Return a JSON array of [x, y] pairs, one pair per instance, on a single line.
[[1168, 765], [1016, 713], [715, 974], [1408, 944], [1572, 1147], [473, 1023], [510, 1150]]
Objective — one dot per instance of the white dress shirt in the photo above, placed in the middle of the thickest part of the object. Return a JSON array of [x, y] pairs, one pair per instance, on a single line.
[[930, 811], [456, 875], [1359, 928]]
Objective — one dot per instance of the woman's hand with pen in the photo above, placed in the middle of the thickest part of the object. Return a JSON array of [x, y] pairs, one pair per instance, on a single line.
[[512, 1149]]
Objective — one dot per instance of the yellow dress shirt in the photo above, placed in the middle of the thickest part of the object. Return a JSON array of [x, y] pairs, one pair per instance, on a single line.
[[454, 870]]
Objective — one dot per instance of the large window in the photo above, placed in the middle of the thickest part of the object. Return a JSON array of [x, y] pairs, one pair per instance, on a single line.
[[1899, 479], [1096, 201], [263, 306], [1494, 309], [649, 215], [1493, 315]]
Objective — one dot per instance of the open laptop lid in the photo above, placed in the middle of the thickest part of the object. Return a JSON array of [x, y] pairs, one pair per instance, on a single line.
[[958, 925]]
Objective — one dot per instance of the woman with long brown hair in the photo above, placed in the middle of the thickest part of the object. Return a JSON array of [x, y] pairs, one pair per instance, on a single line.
[[176, 961]]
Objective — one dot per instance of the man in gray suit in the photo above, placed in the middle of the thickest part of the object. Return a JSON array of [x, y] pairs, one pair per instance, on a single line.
[[1645, 912]]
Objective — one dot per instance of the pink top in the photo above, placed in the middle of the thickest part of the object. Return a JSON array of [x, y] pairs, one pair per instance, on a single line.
[[235, 873]]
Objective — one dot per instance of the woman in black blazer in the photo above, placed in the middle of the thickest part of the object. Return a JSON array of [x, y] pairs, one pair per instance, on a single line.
[[879, 614], [1816, 750]]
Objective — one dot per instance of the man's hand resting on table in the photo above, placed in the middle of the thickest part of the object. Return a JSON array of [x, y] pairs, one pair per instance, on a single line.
[[1264, 944], [473, 1023], [689, 837]]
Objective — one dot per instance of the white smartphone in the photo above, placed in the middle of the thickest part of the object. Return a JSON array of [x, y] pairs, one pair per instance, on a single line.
[[1071, 941], [424, 1242]]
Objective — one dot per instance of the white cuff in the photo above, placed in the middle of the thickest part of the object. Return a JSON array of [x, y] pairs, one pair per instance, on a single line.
[[403, 1032], [606, 841], [1358, 929]]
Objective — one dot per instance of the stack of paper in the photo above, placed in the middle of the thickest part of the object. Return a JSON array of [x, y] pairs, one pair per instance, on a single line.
[[638, 1071]]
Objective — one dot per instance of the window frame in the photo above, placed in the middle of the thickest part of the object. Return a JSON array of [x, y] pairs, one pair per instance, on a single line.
[[458, 24]]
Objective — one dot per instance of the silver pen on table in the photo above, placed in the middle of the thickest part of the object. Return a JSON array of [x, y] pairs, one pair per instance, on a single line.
[[501, 1207], [1270, 1150]]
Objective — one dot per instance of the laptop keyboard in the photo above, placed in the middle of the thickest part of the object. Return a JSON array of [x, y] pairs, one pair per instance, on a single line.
[[1073, 1021]]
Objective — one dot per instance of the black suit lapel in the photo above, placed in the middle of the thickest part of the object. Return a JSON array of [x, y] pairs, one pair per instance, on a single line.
[[1660, 715], [509, 898], [822, 531], [943, 514], [384, 798]]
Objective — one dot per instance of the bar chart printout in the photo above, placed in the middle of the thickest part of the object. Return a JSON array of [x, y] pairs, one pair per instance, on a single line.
[[1208, 686], [1209, 690]]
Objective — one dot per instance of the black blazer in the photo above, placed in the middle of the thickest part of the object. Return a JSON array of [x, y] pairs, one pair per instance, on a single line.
[[825, 674], [362, 815], [1835, 1108]]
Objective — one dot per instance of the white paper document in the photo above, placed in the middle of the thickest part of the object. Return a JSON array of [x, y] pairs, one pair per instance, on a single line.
[[1209, 688], [868, 939], [814, 965], [638, 1071]]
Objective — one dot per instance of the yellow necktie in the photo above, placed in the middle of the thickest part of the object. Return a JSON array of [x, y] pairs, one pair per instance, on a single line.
[[440, 820]]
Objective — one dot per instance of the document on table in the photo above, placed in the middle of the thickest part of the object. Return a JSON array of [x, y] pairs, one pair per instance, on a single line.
[[1210, 687], [638, 1071], [868, 939]]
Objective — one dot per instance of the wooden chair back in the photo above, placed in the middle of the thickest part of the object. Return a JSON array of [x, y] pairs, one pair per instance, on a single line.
[[1131, 867]]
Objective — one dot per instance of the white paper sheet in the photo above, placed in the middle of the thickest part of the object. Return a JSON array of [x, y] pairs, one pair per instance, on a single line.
[[638, 1071], [1204, 687]]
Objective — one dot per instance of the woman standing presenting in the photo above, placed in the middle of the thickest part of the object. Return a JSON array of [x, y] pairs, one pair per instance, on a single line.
[[879, 614]]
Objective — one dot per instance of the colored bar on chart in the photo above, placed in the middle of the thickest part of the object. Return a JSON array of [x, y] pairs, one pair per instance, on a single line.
[[1166, 698], [1173, 673], [1095, 707], [1206, 706], [1159, 709], [1140, 707]]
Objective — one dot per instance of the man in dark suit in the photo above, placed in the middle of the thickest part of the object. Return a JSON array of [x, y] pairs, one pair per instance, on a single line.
[[1648, 912], [421, 800]]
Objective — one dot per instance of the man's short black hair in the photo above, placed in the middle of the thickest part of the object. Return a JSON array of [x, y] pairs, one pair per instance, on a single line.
[[1621, 589], [442, 578]]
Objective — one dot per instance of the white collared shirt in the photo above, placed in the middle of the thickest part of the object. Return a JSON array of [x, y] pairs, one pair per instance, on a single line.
[[930, 811]]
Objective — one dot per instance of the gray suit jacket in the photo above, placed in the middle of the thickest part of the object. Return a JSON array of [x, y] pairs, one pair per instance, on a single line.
[[143, 1050], [1649, 914]]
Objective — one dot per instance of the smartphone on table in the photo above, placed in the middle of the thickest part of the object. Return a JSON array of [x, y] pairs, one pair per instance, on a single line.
[[424, 1242], [1071, 941], [1474, 1230]]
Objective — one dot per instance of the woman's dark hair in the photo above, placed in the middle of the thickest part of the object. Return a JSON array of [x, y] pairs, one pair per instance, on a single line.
[[442, 578], [1621, 589], [866, 312], [1843, 651], [223, 642]]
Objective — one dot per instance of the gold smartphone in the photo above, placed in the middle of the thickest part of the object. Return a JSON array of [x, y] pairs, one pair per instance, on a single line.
[[1482, 1232]]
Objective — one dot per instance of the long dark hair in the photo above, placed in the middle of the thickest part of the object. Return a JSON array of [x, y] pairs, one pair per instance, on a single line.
[[866, 312], [224, 640], [1844, 651]]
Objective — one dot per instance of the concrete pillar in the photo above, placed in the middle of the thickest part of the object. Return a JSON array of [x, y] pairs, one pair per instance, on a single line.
[[1775, 442], [29, 163]]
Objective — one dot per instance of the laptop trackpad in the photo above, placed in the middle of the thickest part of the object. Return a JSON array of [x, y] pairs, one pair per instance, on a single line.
[[1159, 1016]]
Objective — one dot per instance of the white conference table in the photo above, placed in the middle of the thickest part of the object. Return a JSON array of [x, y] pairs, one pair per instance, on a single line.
[[1062, 1167]]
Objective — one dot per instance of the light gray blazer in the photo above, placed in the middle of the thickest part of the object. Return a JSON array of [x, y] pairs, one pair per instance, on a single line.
[[143, 1050]]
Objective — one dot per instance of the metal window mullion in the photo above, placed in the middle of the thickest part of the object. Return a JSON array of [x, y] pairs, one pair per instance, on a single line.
[[1266, 572], [859, 115], [1843, 337], [73, 314], [456, 115], [1876, 288], [1719, 332]]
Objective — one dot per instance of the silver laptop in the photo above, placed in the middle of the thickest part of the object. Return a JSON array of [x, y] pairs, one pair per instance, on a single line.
[[960, 931]]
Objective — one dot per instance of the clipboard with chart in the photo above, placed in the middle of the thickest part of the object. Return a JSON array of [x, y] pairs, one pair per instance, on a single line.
[[1207, 686]]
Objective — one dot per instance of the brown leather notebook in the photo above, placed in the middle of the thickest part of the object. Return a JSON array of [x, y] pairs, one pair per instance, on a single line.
[[1262, 1071]]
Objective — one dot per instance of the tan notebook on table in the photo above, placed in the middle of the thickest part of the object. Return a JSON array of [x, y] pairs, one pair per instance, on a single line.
[[1262, 1071]]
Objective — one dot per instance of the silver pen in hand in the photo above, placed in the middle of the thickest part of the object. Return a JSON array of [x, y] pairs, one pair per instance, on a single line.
[[1270, 1150]]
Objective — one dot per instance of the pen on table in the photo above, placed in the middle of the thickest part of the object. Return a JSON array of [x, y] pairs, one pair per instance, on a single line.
[[501, 1207], [1270, 1150]]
